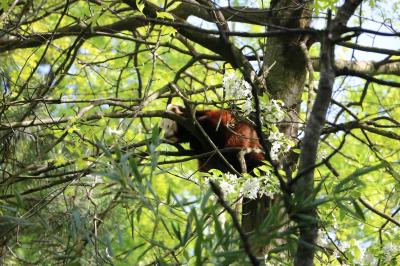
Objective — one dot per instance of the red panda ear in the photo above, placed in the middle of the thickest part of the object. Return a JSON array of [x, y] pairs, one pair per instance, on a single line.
[[216, 117], [203, 118], [175, 109]]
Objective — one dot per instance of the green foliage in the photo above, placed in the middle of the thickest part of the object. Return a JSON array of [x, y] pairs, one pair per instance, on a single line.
[[87, 178]]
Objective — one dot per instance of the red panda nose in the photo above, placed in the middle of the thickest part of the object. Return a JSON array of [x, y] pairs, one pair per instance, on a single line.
[[169, 134], [172, 139]]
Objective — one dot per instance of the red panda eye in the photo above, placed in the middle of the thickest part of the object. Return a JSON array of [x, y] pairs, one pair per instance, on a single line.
[[231, 124]]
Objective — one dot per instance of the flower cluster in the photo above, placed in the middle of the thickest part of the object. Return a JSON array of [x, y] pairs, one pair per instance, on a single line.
[[250, 188], [280, 144], [246, 186], [390, 249], [272, 112], [114, 131], [238, 89], [268, 185], [357, 252]]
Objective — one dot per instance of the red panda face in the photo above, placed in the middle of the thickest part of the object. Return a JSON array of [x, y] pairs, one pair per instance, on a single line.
[[172, 131]]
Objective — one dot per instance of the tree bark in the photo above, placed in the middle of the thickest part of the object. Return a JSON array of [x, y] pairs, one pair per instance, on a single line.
[[285, 81], [303, 184]]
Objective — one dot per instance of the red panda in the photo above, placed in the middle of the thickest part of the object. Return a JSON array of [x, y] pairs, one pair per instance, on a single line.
[[225, 130]]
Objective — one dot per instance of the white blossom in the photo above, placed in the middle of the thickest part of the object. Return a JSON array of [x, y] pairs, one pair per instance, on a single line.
[[276, 136], [273, 112], [345, 246], [247, 107], [250, 188], [322, 239], [390, 249], [267, 186], [226, 187], [114, 131], [236, 88], [369, 259], [274, 152], [264, 191], [278, 140], [335, 253], [334, 222], [231, 177]]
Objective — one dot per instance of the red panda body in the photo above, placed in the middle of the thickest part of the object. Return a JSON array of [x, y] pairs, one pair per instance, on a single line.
[[225, 131]]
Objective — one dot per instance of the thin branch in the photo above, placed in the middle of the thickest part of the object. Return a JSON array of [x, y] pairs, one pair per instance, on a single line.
[[348, 72], [97, 116], [236, 223], [361, 125], [369, 49], [356, 68], [381, 214]]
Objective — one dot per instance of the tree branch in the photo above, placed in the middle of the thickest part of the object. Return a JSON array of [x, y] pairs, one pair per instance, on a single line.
[[96, 116], [369, 49], [357, 68], [242, 234], [304, 187], [381, 214]]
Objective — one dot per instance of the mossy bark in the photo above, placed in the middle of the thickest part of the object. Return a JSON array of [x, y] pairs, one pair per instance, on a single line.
[[287, 66]]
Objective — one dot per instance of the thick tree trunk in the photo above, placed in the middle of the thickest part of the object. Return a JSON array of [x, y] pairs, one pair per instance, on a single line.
[[285, 81], [253, 214]]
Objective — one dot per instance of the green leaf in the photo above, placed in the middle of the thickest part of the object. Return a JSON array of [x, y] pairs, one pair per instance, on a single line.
[[165, 15], [217, 225], [199, 239], [6, 220], [205, 198], [371, 3], [140, 5], [155, 135], [111, 175], [177, 232], [135, 169], [297, 150], [20, 200], [188, 230], [230, 256], [358, 211], [354, 177], [4, 5]]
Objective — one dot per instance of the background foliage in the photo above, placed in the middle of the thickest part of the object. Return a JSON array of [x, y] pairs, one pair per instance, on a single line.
[[86, 177]]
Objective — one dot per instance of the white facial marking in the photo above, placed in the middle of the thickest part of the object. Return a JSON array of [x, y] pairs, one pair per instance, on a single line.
[[170, 126]]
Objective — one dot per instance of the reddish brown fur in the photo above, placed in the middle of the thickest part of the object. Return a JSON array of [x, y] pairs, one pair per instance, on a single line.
[[225, 131]]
